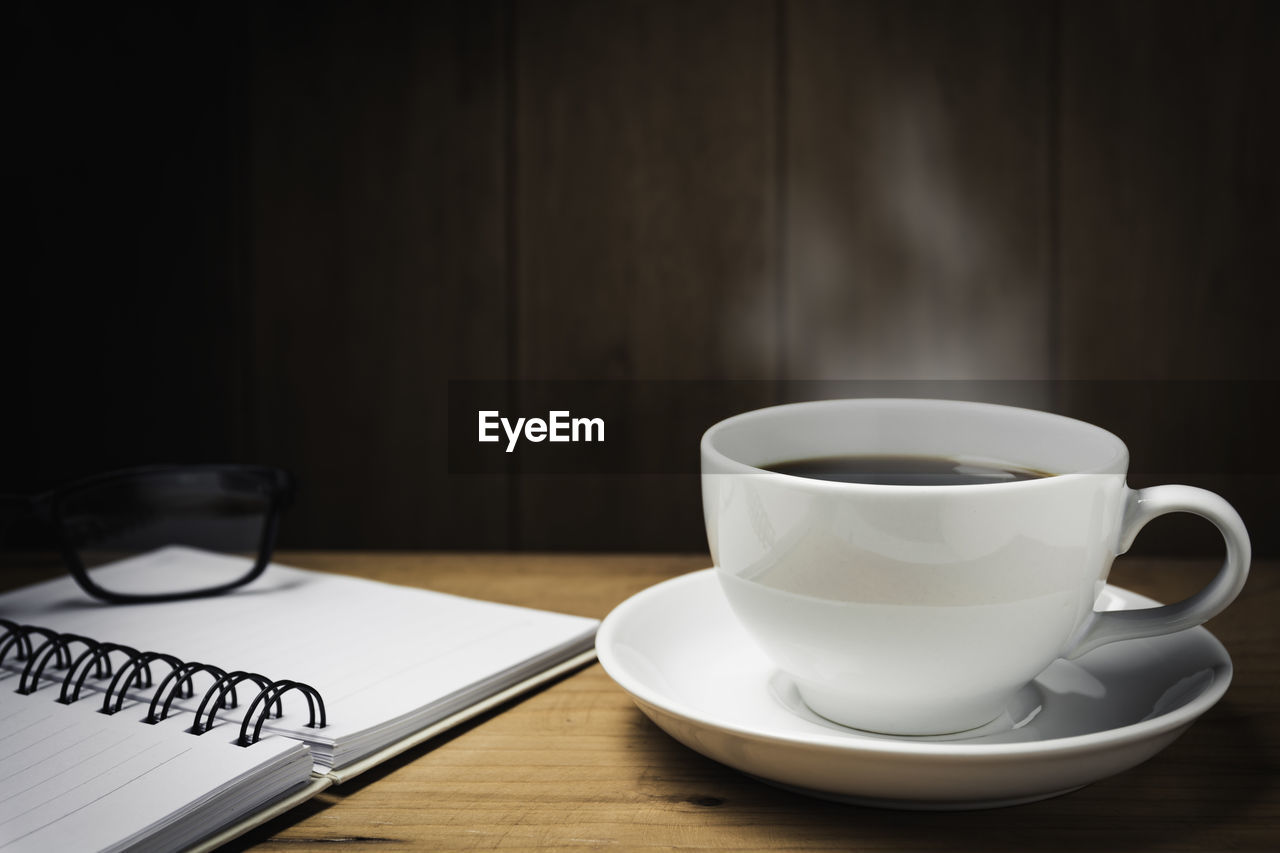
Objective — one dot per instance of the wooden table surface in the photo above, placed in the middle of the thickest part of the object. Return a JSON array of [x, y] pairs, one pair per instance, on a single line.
[[577, 766]]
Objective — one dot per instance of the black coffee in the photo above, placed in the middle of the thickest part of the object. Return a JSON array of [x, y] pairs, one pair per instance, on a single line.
[[902, 470]]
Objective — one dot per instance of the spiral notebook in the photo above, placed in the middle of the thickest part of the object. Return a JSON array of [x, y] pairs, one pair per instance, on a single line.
[[329, 674]]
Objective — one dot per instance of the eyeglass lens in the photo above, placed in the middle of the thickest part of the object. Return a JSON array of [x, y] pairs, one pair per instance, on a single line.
[[220, 511]]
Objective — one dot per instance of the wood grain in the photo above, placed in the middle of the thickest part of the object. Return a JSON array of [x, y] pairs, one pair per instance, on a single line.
[[917, 190], [378, 262], [1169, 208], [1169, 192], [251, 233], [644, 207], [577, 766]]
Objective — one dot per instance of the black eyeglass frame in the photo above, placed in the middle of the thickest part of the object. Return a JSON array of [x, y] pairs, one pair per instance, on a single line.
[[48, 507]]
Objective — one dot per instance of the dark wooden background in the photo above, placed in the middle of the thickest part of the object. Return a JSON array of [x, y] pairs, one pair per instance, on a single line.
[[275, 232]]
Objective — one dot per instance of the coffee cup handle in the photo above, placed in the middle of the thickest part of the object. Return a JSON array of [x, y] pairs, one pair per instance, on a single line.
[[1141, 506]]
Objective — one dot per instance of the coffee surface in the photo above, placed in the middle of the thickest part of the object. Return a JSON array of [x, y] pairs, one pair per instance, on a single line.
[[903, 470]]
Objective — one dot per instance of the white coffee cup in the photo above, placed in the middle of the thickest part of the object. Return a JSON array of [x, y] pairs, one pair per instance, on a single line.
[[918, 609]]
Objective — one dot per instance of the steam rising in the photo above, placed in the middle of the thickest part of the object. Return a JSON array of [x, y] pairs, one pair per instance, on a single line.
[[916, 253]]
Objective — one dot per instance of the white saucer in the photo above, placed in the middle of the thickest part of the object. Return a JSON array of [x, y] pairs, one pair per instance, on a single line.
[[678, 650]]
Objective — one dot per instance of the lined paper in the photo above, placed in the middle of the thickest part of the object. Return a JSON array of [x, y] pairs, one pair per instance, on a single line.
[[389, 662], [387, 659], [74, 779]]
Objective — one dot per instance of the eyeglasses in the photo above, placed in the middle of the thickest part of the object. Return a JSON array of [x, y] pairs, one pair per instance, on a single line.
[[231, 510]]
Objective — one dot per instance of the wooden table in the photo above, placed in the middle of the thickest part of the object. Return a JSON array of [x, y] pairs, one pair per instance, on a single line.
[[577, 766]]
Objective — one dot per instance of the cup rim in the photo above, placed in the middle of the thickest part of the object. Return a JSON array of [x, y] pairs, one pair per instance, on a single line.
[[1116, 465]]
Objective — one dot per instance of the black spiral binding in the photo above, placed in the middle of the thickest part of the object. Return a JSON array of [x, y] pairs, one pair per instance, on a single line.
[[42, 649]]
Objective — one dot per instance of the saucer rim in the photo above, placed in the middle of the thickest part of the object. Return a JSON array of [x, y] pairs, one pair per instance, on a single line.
[[1171, 721]]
